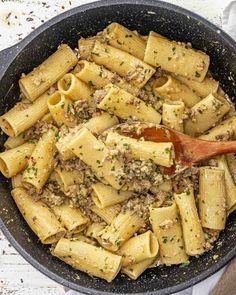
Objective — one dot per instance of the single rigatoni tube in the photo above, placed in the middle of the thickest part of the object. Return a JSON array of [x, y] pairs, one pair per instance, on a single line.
[[124, 64], [120, 37], [123, 227], [212, 198], [135, 270], [203, 88], [160, 152], [45, 75], [85, 46], [169, 88], [61, 109], [96, 125], [231, 161], [206, 114], [99, 77], [39, 217], [41, 161], [88, 258], [72, 218], [105, 195], [224, 130], [74, 88], [176, 58], [172, 115], [192, 230], [15, 160], [23, 116], [14, 141], [166, 226], [68, 178], [229, 183], [139, 248], [126, 106], [94, 153], [108, 214]]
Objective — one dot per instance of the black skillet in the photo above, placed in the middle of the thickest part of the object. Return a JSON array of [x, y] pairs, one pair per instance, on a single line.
[[142, 15]]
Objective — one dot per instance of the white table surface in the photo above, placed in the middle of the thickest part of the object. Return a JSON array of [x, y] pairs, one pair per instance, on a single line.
[[18, 277]]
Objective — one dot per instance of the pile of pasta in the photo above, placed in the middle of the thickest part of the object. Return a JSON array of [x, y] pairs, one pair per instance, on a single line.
[[79, 98]]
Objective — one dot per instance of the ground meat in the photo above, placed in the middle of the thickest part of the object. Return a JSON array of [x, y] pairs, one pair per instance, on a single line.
[[36, 131], [141, 175], [115, 78], [51, 198], [83, 110], [150, 98], [228, 135], [186, 179]]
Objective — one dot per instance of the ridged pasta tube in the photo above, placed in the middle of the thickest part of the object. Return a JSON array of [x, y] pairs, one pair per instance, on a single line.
[[229, 183], [108, 214], [167, 228], [169, 88], [123, 227], [172, 115], [224, 129], [99, 77], [94, 153], [126, 106], [96, 125], [160, 152], [124, 64], [88, 258], [15, 160], [68, 178], [41, 161], [176, 58], [192, 230], [203, 88], [212, 198], [45, 75], [74, 88], [23, 116], [105, 195], [72, 218], [139, 248], [61, 109], [39, 217], [206, 114], [120, 37]]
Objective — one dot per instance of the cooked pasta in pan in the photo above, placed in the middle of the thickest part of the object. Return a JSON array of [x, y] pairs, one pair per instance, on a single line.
[[106, 201]]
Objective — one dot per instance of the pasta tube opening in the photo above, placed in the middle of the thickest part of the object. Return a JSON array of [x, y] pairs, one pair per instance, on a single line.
[[159, 82], [65, 83], [55, 99], [6, 127]]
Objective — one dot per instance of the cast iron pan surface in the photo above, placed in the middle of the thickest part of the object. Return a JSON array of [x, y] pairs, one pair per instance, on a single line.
[[169, 20]]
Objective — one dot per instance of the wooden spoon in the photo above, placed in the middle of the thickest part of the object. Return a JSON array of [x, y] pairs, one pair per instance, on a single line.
[[188, 150]]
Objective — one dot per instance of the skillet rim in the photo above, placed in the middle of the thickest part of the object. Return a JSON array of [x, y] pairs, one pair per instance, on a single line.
[[11, 54]]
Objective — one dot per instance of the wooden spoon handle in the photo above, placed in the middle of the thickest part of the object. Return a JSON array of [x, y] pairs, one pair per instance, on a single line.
[[201, 150]]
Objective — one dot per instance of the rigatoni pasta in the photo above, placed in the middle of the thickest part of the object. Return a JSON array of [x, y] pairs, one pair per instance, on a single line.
[[176, 58], [39, 217], [126, 106], [131, 68], [91, 180], [50, 71]]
